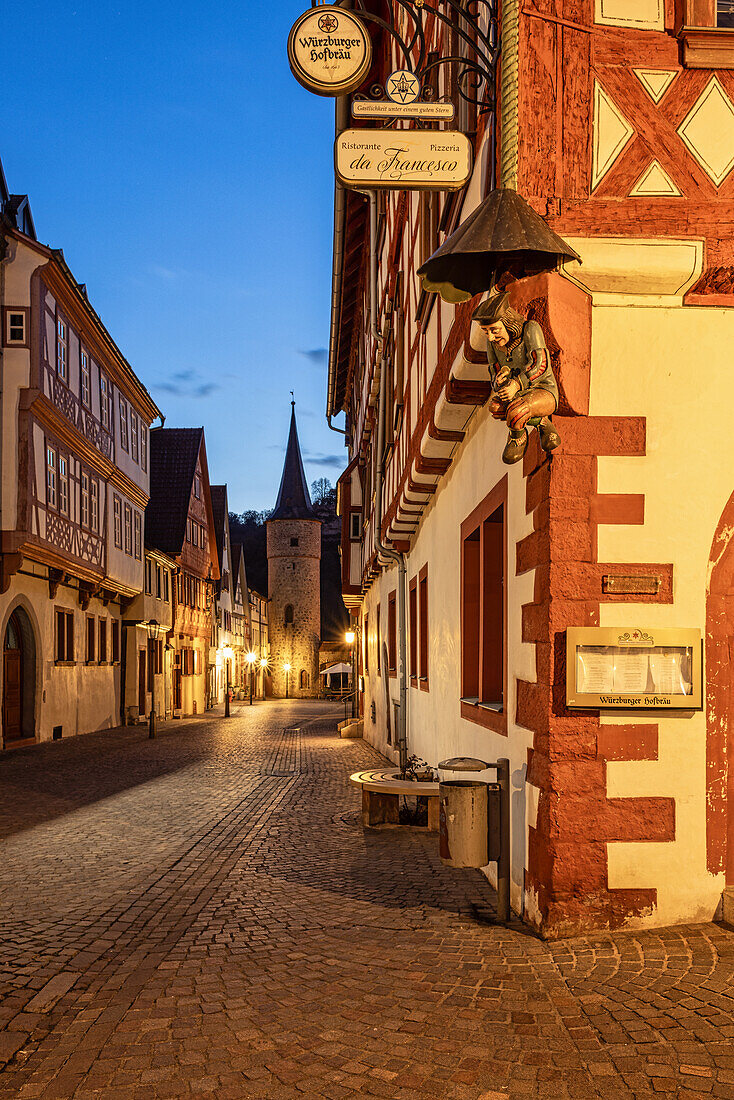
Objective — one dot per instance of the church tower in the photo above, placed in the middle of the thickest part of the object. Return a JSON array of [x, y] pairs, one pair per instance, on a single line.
[[294, 580]]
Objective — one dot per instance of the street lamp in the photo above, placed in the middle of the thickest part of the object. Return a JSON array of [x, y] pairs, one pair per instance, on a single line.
[[227, 652], [251, 658], [350, 638], [286, 670], [154, 628]]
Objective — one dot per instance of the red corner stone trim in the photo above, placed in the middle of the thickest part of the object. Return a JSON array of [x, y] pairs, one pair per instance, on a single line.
[[567, 851]]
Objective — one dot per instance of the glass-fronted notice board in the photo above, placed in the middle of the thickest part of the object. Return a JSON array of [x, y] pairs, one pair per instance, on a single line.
[[610, 667]]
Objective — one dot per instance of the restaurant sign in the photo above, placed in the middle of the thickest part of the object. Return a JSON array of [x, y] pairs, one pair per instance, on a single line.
[[413, 160], [329, 50]]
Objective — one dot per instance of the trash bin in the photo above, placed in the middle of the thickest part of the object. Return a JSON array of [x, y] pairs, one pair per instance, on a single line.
[[463, 807]]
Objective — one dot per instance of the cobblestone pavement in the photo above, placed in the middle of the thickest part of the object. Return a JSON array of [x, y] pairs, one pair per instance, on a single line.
[[202, 915]]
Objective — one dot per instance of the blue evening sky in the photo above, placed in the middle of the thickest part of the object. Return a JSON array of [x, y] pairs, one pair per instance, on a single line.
[[169, 151]]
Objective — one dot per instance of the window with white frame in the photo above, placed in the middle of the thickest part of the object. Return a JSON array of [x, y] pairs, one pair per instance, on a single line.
[[148, 577], [85, 500], [123, 423], [51, 494], [117, 518], [85, 379], [62, 349], [105, 401], [94, 496], [134, 436], [128, 530], [15, 332], [143, 447], [138, 536], [63, 485]]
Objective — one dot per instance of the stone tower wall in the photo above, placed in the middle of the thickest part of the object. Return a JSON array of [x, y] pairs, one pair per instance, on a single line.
[[294, 578]]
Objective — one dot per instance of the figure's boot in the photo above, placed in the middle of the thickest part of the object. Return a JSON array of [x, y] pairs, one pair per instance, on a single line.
[[515, 447], [549, 437]]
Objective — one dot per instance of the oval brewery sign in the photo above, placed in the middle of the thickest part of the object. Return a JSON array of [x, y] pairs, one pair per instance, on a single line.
[[329, 50], [414, 160]]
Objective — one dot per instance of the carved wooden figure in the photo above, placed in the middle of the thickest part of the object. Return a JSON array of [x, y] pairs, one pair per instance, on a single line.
[[524, 388]]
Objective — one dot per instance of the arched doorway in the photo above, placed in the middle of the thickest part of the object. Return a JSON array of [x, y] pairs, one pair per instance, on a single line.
[[19, 678]]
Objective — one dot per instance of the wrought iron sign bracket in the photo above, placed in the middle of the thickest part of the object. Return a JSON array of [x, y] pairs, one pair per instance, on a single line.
[[475, 72]]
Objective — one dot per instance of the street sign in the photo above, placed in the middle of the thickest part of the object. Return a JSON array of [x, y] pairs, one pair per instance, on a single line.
[[329, 51], [412, 160]]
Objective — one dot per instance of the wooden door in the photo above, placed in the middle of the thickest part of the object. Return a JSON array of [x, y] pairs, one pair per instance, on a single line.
[[177, 704], [141, 682], [12, 694]]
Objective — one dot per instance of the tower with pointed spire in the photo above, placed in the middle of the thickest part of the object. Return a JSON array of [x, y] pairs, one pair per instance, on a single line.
[[294, 573]]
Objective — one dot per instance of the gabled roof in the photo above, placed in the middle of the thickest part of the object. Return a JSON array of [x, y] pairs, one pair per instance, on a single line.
[[237, 556], [219, 508], [173, 456], [293, 499]]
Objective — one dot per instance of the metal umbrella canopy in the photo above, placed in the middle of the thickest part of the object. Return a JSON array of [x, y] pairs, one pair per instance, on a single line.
[[504, 236]]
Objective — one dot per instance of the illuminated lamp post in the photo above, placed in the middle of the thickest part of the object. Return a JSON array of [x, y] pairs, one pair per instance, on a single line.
[[227, 652], [251, 658], [154, 628]]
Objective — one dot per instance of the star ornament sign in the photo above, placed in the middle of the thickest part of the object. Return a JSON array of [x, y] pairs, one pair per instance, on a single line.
[[403, 86], [329, 50]]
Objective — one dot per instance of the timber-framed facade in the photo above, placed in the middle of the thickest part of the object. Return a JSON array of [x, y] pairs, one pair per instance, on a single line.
[[75, 483], [621, 150]]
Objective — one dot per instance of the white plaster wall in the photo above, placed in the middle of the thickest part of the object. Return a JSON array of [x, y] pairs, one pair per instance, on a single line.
[[80, 698], [436, 729], [671, 366], [16, 375]]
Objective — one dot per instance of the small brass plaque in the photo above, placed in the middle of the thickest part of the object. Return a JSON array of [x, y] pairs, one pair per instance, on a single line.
[[630, 586]]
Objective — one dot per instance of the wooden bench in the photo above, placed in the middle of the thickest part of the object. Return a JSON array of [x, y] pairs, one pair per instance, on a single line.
[[381, 793]]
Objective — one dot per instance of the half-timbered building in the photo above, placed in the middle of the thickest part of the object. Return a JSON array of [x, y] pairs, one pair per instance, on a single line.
[[228, 665], [180, 523], [616, 124], [75, 477]]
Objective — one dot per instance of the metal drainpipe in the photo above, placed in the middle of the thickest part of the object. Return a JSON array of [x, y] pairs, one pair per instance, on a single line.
[[341, 121], [509, 93], [399, 559], [384, 551]]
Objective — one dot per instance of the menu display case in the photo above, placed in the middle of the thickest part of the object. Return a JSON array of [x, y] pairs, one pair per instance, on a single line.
[[644, 669]]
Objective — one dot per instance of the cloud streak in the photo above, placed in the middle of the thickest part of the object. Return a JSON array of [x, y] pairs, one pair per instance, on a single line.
[[317, 357], [187, 383]]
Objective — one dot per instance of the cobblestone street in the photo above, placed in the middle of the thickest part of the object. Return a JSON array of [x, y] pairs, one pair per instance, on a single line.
[[203, 915]]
